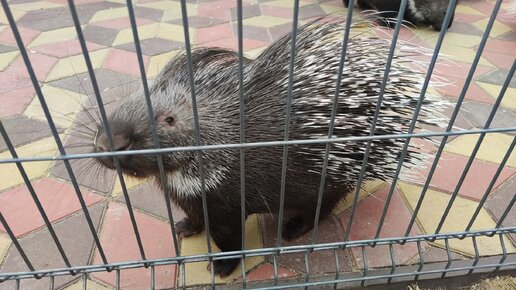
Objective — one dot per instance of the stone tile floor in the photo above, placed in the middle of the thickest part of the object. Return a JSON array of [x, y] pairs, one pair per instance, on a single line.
[[50, 38]]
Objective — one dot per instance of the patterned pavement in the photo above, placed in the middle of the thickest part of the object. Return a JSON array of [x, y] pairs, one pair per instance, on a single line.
[[48, 33]]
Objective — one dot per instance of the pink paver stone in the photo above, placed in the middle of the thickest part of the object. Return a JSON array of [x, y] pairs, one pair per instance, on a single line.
[[365, 224], [266, 272], [16, 100], [467, 18], [474, 93], [6, 36], [120, 245], [42, 64], [124, 61], [213, 33], [57, 198], [458, 70], [503, 61], [501, 46], [450, 169], [65, 48]]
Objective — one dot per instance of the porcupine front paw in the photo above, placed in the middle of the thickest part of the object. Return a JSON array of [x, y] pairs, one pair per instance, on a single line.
[[294, 228], [224, 268], [186, 228]]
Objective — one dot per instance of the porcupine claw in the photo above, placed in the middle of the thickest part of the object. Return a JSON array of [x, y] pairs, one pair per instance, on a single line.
[[223, 268]]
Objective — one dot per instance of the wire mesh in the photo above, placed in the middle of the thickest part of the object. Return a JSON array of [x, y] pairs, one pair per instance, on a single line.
[[396, 271]]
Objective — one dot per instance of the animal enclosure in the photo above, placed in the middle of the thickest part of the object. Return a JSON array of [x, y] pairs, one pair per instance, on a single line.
[[454, 218]]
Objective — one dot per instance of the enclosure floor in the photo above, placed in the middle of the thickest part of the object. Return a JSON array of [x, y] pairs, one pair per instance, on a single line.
[[50, 37]]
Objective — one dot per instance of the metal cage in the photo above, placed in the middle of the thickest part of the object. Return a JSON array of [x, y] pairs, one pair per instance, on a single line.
[[367, 275]]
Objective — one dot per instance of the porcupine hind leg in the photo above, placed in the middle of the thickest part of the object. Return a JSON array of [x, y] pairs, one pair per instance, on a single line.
[[227, 235], [303, 221]]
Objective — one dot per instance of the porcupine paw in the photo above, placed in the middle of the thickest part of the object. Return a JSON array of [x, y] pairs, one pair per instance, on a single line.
[[294, 229], [224, 267], [185, 228]]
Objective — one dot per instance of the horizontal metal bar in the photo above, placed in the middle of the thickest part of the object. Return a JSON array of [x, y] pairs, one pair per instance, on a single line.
[[376, 277], [258, 144], [255, 252]]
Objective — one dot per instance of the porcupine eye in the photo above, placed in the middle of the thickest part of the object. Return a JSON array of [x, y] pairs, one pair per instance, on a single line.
[[169, 120]]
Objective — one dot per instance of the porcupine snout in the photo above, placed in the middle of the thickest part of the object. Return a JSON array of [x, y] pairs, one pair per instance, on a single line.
[[121, 141]]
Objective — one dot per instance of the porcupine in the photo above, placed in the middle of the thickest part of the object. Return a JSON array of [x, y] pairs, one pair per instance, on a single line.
[[265, 88], [417, 12]]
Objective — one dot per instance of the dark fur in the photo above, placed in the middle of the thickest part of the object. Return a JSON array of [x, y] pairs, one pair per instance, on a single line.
[[431, 12], [265, 91]]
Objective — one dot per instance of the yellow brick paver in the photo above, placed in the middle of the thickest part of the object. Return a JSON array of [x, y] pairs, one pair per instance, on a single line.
[[265, 21], [130, 182], [460, 214], [158, 62], [5, 243], [497, 30], [75, 65], [91, 285], [493, 148], [174, 32], [63, 105], [7, 58], [9, 174], [53, 36], [144, 32], [197, 273], [32, 6], [509, 98]]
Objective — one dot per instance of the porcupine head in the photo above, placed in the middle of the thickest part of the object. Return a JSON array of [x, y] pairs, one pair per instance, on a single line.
[[429, 12]]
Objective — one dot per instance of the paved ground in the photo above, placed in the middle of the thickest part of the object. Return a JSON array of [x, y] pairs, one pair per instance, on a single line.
[[48, 34]]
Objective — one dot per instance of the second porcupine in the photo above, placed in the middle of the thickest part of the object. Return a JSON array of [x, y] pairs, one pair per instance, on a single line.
[[215, 72], [417, 12]]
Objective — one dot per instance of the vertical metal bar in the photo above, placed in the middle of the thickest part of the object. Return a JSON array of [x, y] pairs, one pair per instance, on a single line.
[[455, 113], [51, 287], [188, 48], [243, 214], [390, 57], [335, 104], [413, 122], [337, 268], [15, 242], [448, 253], [117, 280], [491, 184], [307, 267], [477, 147], [94, 83], [366, 267], [50, 122], [504, 253], [84, 281], [34, 196], [183, 275], [155, 139], [275, 265], [477, 254], [393, 262], [153, 278], [284, 165], [421, 260], [17, 285]]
